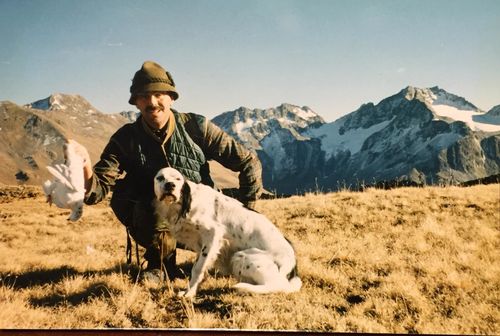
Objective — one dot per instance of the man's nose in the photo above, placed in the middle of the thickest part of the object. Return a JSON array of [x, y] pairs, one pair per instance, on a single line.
[[151, 99]]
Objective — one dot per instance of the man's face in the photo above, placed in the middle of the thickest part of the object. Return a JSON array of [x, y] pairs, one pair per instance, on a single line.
[[155, 108]]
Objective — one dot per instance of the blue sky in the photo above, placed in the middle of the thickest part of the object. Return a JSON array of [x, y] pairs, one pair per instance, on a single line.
[[331, 55]]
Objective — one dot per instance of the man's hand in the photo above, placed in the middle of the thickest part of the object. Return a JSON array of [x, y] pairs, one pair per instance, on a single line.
[[87, 164]]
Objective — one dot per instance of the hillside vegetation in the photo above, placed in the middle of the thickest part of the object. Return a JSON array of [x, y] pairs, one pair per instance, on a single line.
[[420, 260]]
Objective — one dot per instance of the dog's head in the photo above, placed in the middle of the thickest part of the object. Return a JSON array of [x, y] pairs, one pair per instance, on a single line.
[[171, 187]]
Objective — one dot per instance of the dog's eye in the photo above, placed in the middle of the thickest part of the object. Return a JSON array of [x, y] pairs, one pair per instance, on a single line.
[[178, 179], [160, 178]]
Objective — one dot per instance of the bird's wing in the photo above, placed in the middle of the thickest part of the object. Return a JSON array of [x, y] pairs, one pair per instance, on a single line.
[[61, 174]]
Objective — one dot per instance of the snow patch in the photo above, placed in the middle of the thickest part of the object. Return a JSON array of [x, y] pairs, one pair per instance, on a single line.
[[444, 140], [332, 141], [286, 122], [305, 113], [56, 103], [475, 120], [274, 148], [242, 126]]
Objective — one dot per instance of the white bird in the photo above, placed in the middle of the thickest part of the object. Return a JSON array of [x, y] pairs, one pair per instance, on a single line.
[[67, 189]]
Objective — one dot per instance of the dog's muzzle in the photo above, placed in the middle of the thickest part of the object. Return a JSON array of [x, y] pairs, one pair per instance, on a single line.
[[168, 189]]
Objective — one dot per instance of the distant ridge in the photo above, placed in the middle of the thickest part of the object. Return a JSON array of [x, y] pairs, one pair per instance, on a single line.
[[416, 136]]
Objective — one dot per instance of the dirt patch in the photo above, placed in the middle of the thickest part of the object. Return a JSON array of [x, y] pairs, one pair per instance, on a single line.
[[11, 193]]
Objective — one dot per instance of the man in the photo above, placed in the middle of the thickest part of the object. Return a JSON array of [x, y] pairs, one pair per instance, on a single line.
[[159, 138]]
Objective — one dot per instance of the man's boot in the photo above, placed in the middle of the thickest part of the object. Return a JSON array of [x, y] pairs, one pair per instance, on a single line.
[[163, 248]]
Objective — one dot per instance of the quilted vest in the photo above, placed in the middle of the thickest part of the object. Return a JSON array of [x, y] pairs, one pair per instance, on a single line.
[[184, 154], [181, 152]]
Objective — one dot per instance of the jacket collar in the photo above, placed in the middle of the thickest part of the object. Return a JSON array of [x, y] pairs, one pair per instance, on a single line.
[[165, 133]]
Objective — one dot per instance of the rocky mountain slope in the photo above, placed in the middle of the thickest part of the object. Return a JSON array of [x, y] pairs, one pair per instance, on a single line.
[[417, 136], [275, 134], [31, 136]]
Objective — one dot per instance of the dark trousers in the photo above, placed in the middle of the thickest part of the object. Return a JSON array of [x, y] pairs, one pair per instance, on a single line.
[[142, 223]]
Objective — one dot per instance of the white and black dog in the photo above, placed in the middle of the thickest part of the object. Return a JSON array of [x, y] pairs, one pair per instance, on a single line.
[[225, 235]]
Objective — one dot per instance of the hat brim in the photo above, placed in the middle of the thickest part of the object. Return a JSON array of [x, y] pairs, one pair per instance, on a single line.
[[155, 87]]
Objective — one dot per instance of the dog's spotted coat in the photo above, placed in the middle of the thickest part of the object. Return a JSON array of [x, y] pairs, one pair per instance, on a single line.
[[225, 235]]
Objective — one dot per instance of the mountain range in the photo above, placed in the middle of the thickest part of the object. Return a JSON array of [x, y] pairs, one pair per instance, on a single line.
[[419, 135]]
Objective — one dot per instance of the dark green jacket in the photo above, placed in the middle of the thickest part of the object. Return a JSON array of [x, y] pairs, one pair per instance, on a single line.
[[134, 155]]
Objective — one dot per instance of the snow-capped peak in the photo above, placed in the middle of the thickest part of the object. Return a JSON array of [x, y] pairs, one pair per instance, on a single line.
[[436, 96], [75, 104], [251, 126], [303, 112], [53, 102], [450, 107]]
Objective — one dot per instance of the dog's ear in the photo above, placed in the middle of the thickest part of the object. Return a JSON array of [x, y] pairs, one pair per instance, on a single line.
[[185, 200]]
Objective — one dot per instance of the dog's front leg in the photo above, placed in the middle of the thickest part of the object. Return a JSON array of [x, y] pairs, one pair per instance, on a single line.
[[211, 245]]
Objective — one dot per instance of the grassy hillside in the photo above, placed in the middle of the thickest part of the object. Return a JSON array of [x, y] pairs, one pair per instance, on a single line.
[[405, 260]]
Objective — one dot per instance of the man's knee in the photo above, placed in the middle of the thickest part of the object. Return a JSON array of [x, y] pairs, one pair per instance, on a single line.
[[137, 216], [140, 219]]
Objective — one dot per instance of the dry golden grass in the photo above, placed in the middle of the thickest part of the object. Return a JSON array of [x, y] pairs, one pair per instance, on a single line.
[[405, 260]]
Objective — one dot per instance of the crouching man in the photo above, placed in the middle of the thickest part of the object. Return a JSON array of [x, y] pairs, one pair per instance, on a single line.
[[162, 137]]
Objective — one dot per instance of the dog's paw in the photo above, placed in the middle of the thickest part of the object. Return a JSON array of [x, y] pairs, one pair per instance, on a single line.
[[186, 294]]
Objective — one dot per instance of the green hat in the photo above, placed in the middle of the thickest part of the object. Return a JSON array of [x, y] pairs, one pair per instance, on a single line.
[[152, 77]]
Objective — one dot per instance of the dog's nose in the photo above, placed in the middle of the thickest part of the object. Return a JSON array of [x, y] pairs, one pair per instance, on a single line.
[[168, 186]]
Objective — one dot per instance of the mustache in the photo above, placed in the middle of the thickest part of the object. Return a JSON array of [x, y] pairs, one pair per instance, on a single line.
[[152, 108]]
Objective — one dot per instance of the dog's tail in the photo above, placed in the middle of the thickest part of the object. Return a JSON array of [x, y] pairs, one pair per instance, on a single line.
[[287, 286]]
